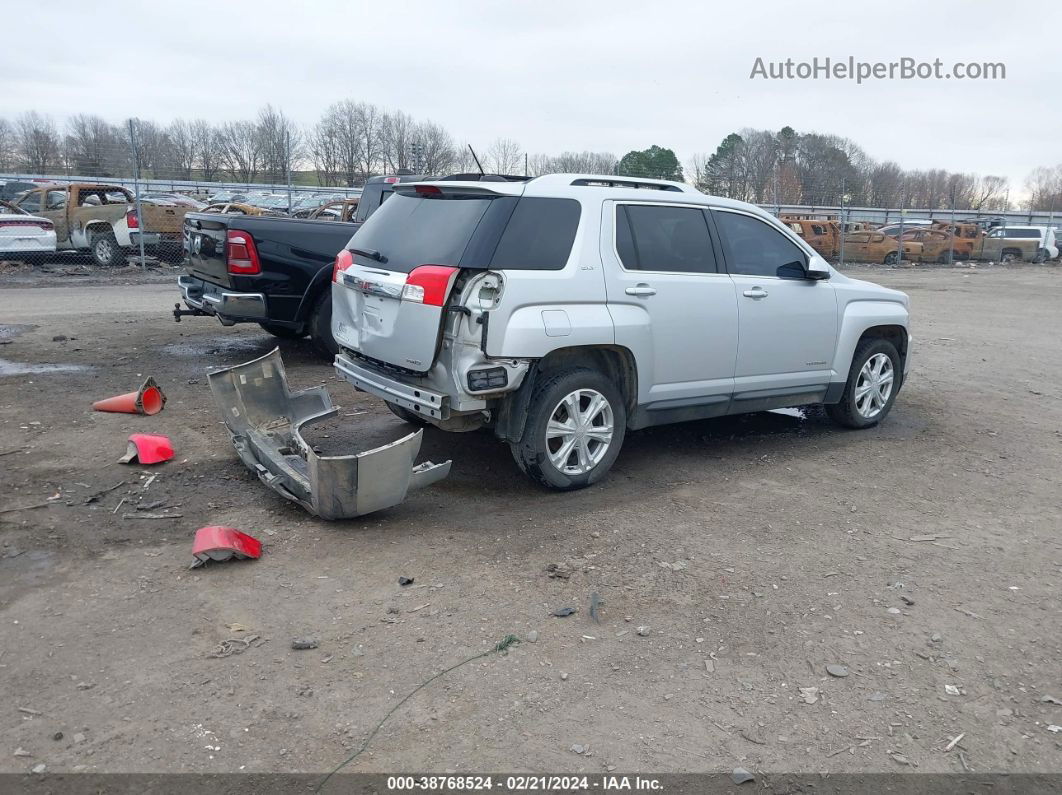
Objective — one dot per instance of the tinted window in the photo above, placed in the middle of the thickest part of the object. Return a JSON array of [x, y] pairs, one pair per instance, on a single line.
[[754, 248], [411, 231], [539, 235], [661, 238], [1033, 234], [32, 203]]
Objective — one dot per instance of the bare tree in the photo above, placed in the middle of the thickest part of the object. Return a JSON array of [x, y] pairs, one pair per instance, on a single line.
[[437, 151], [94, 147], [37, 143], [184, 147], [240, 150], [990, 193], [324, 145], [279, 144], [504, 156], [1044, 185], [397, 130], [368, 120], [7, 145], [207, 148]]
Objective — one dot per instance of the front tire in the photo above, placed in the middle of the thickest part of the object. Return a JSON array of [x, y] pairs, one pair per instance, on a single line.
[[575, 427], [321, 326], [873, 382], [891, 258]]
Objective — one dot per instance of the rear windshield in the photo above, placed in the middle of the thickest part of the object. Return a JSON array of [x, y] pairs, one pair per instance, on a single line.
[[502, 232], [411, 231]]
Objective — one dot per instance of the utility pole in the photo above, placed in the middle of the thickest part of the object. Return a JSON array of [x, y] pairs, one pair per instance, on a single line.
[[844, 225], [136, 188], [287, 164]]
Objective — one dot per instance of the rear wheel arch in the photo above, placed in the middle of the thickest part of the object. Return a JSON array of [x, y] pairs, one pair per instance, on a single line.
[[614, 361]]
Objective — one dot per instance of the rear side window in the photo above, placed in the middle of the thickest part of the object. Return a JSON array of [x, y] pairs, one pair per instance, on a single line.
[[755, 248], [409, 231], [1031, 234], [664, 239], [539, 235]]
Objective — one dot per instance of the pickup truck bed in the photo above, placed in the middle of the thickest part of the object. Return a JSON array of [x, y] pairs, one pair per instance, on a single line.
[[276, 272]]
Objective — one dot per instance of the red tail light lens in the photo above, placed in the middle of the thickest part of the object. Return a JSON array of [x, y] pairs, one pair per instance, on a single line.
[[241, 254], [428, 190], [344, 259], [131, 220], [429, 284]]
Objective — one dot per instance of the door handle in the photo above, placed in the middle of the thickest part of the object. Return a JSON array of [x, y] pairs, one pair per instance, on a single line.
[[640, 289], [755, 292]]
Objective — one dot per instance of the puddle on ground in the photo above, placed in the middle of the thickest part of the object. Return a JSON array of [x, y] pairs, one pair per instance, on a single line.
[[27, 568], [222, 345], [9, 332], [21, 368]]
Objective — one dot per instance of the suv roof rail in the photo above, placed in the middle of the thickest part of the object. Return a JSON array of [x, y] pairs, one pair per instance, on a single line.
[[477, 177], [626, 182]]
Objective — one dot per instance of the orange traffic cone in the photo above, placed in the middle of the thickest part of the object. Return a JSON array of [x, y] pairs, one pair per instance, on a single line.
[[146, 400]]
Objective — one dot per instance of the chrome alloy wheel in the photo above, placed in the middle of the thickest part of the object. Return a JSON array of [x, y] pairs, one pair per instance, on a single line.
[[579, 432], [874, 386]]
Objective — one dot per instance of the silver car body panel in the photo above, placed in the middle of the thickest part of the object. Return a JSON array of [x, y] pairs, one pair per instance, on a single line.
[[265, 420]]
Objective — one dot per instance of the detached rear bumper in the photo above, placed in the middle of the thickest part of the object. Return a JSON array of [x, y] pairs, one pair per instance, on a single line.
[[265, 421]]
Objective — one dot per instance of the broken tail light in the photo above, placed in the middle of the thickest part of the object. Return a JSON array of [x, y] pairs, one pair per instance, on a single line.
[[429, 284], [241, 255], [344, 259]]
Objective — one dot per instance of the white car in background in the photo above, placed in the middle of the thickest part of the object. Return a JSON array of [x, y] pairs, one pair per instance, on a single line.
[[23, 236]]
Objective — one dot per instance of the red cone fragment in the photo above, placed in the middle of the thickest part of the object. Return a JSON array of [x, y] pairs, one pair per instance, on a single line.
[[145, 448], [146, 400], [223, 543]]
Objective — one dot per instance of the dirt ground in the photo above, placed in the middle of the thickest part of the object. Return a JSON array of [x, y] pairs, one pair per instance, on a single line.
[[923, 556]]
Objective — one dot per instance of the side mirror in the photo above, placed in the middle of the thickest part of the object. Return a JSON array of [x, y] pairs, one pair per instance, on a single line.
[[817, 269]]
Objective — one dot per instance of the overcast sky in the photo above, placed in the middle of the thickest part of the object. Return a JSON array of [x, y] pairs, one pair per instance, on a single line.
[[604, 76]]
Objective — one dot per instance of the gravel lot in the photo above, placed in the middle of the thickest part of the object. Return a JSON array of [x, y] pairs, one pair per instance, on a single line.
[[923, 556]]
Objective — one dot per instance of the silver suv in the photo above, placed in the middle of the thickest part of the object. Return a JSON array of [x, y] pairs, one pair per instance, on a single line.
[[565, 310]]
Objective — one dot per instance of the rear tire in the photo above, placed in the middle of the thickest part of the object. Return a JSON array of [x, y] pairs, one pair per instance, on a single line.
[[891, 258], [406, 415], [171, 254], [321, 326], [105, 250], [588, 403], [283, 332], [864, 402]]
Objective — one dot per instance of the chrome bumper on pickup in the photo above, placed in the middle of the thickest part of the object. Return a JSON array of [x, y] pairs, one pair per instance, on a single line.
[[214, 300], [422, 401], [265, 421]]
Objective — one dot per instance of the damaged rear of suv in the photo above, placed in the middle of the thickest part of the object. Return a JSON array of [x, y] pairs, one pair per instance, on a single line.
[[415, 288], [564, 310]]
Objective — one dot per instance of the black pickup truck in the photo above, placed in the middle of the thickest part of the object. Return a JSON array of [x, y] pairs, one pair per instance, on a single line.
[[276, 272]]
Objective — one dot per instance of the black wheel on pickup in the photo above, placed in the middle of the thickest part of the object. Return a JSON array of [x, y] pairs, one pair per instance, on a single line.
[[873, 381], [283, 332], [105, 250], [575, 427], [321, 326]]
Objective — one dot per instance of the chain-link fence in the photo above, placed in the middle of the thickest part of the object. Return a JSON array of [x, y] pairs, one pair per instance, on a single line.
[[843, 204]]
